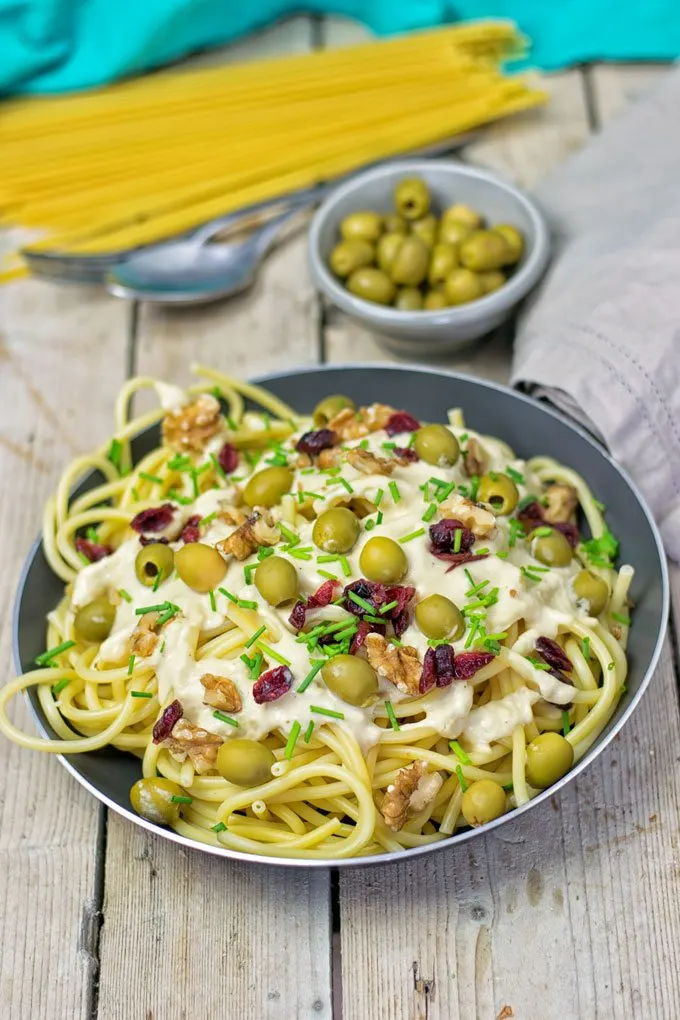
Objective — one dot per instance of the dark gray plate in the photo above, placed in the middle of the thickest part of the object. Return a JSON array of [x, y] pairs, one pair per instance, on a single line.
[[529, 428]]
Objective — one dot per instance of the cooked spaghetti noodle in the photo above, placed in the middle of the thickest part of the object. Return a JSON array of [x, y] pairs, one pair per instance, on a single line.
[[249, 609]]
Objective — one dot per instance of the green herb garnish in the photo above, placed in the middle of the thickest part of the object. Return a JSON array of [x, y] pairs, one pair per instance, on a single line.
[[620, 618], [461, 778], [270, 653], [225, 718], [253, 637], [516, 476], [141, 694], [292, 740], [46, 658], [308, 732], [131, 665], [59, 686], [460, 754], [326, 711], [181, 799], [219, 827], [391, 716], [394, 490], [125, 594], [412, 535]]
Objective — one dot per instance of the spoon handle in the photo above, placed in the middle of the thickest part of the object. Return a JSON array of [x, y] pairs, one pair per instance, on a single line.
[[295, 201]]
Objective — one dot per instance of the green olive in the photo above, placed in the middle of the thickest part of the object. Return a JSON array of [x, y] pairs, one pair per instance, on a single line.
[[444, 259], [152, 560], [435, 444], [591, 589], [462, 286], [245, 762], [361, 226], [276, 580], [463, 214], [410, 262], [268, 486], [372, 285], [435, 300], [350, 255], [352, 679], [493, 280], [438, 617], [514, 240], [395, 224], [412, 198], [426, 229], [200, 566], [152, 799], [549, 757], [93, 621], [327, 408], [499, 491], [336, 530], [484, 250], [388, 246], [552, 549], [482, 802], [453, 232], [409, 299], [382, 559]]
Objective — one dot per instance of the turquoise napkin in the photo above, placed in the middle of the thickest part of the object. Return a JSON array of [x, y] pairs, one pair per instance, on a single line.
[[60, 45]]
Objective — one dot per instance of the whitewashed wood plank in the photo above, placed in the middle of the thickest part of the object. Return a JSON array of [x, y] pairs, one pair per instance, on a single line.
[[615, 86], [221, 939], [62, 356]]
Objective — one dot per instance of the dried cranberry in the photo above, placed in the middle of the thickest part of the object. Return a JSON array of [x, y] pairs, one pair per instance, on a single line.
[[370, 591], [553, 654], [297, 616], [363, 630], [443, 536], [323, 596], [444, 665], [458, 559], [533, 516], [272, 685], [570, 532], [468, 663], [406, 453], [428, 677], [399, 615], [401, 421], [163, 728], [92, 551], [227, 458], [152, 540], [191, 531], [314, 442], [154, 519]]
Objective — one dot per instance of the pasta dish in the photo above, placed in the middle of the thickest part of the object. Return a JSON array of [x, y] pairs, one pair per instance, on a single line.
[[326, 635]]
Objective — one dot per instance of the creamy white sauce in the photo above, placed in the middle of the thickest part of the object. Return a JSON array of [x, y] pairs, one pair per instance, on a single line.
[[544, 606]]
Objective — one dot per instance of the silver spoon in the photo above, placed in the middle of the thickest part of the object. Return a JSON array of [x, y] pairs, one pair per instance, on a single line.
[[193, 271]]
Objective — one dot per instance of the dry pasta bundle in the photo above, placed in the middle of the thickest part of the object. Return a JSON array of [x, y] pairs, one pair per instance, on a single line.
[[138, 162]]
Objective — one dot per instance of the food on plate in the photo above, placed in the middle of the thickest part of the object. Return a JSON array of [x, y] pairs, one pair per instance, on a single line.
[[326, 635]]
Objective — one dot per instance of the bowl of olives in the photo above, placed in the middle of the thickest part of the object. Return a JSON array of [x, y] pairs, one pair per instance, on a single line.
[[430, 255]]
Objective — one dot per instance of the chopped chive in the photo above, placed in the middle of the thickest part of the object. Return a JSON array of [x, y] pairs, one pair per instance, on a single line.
[[412, 535], [379, 497], [194, 482], [308, 732], [131, 665], [289, 535], [515, 475], [253, 637], [396, 642], [620, 618], [509, 787], [469, 576], [371, 618], [313, 495], [204, 521], [502, 555], [386, 609], [391, 716], [445, 491], [159, 607], [157, 583], [328, 558], [224, 718], [527, 572], [516, 531], [496, 637], [246, 604], [316, 666], [219, 827], [461, 778], [135, 494], [114, 453], [326, 711], [379, 518], [91, 533], [362, 603], [300, 554], [394, 490], [460, 754], [125, 594], [271, 654], [537, 664], [526, 501], [585, 647], [369, 524], [180, 462], [264, 552], [474, 627], [474, 487], [248, 572], [59, 686], [256, 668], [345, 484], [457, 539], [163, 647], [600, 506], [389, 446], [154, 479], [176, 498], [141, 694], [219, 470], [542, 532], [476, 588], [292, 740], [181, 799], [213, 602], [566, 726], [51, 653], [346, 569], [227, 594], [231, 423], [327, 574], [83, 559], [463, 437], [430, 512]]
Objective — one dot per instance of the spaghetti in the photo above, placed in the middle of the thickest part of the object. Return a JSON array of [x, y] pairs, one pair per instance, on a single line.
[[325, 638]]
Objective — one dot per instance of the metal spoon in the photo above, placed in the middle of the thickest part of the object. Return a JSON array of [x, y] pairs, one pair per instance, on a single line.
[[194, 272]]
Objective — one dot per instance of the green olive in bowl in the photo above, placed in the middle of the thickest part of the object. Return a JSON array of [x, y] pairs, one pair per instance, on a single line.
[[361, 226], [484, 250], [410, 262], [372, 285], [409, 299], [444, 260], [412, 198], [350, 255], [462, 286]]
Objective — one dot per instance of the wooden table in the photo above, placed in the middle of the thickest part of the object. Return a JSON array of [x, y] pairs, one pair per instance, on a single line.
[[574, 913]]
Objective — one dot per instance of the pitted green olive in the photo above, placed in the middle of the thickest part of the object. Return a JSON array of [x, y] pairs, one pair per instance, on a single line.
[[352, 679], [552, 549], [435, 300], [382, 559], [491, 281], [499, 491], [329, 407], [435, 444], [395, 224], [438, 617], [483, 801], [412, 198], [410, 262], [593, 590], [268, 486], [245, 762], [94, 620], [409, 299], [350, 255], [200, 566], [549, 757], [514, 240], [453, 232], [152, 799], [361, 226], [484, 250], [372, 285], [336, 530], [426, 229], [152, 560], [462, 286], [444, 259], [276, 580], [463, 214], [388, 246]]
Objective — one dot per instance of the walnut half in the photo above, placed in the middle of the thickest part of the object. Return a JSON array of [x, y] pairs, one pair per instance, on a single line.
[[480, 521], [414, 788], [222, 693], [400, 665], [368, 464], [192, 426], [189, 741], [257, 529], [561, 503]]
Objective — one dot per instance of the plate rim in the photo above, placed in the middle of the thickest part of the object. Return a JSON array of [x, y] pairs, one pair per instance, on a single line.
[[409, 854]]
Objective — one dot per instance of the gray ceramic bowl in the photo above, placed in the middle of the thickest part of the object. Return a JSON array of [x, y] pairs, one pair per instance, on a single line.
[[431, 333], [526, 426]]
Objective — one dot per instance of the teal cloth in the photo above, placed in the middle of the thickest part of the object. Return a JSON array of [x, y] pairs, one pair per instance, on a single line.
[[61, 45]]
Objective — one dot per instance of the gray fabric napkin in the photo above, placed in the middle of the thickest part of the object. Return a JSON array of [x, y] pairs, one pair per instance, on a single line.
[[601, 338]]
